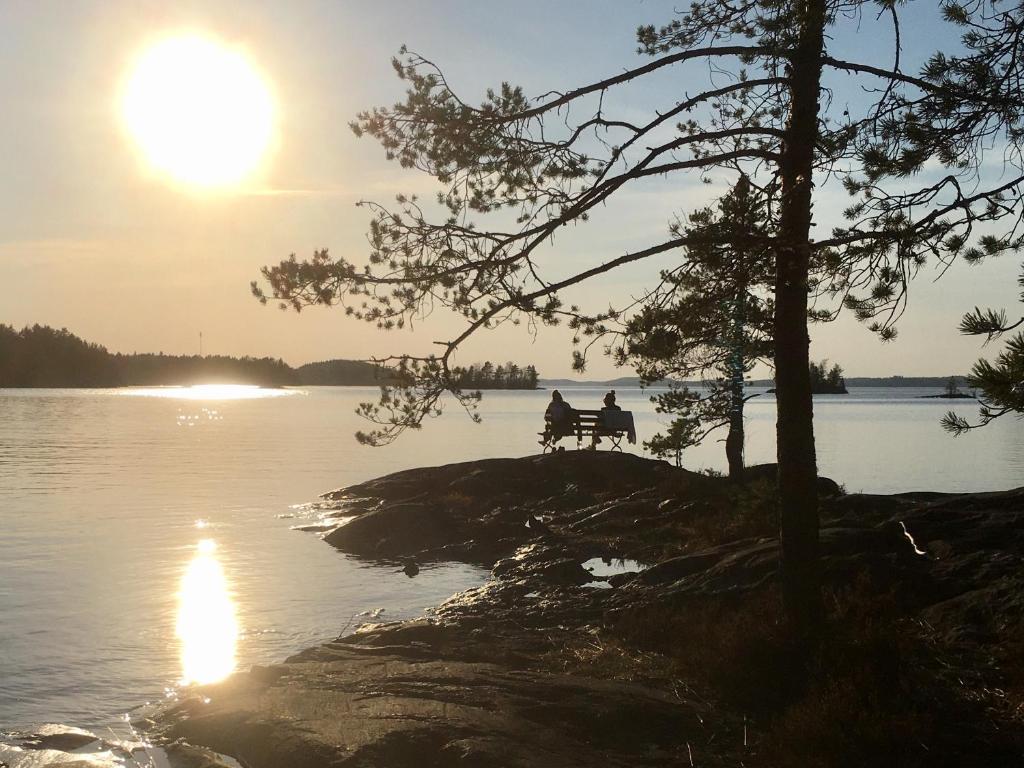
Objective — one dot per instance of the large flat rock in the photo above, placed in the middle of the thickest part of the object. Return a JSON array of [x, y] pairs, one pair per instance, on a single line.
[[363, 705], [482, 682]]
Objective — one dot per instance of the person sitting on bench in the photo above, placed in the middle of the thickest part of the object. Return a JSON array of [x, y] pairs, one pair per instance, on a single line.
[[559, 414], [609, 405]]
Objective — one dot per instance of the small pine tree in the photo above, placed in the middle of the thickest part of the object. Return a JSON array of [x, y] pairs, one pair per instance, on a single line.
[[712, 318]]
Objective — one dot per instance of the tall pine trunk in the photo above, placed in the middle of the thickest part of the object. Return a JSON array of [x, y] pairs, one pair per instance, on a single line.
[[737, 366], [798, 501], [734, 445]]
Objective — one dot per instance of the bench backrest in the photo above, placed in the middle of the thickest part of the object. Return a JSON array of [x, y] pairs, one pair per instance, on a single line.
[[588, 421]]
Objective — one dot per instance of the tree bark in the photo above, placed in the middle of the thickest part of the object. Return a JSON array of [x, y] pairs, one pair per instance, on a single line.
[[734, 446], [801, 582], [734, 440]]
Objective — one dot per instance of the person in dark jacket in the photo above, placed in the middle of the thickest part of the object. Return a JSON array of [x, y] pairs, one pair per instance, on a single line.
[[559, 414], [609, 402]]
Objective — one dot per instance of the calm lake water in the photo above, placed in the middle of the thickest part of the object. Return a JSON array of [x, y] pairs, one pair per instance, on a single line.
[[134, 521]]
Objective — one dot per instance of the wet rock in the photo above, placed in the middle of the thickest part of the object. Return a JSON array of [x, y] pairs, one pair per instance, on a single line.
[[864, 507], [53, 736], [314, 527], [399, 710], [183, 755], [677, 568], [395, 530], [474, 683]]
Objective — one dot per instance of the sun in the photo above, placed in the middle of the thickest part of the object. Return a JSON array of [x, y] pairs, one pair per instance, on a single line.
[[199, 111]]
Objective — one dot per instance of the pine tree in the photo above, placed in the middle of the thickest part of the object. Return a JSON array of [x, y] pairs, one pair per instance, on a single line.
[[710, 317], [1001, 383], [762, 110], [532, 377]]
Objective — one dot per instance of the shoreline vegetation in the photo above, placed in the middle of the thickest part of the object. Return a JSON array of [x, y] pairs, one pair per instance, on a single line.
[[489, 376], [43, 357], [633, 617]]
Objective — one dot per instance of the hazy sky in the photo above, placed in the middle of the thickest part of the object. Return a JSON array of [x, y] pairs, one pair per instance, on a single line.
[[93, 240]]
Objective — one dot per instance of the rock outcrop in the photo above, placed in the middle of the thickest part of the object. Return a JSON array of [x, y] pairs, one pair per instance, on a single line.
[[531, 668]]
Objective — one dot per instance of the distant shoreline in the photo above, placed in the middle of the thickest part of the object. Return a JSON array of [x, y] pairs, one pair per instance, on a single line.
[[855, 381], [43, 357]]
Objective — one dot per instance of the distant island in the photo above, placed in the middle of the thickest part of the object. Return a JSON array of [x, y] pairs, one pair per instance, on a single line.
[[917, 382], [503, 376], [827, 381], [41, 356], [331, 373], [952, 392]]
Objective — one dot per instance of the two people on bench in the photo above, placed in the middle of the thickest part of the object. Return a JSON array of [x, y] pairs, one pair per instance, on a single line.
[[561, 418]]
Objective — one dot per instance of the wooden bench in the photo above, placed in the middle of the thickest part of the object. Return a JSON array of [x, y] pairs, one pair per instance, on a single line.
[[590, 424]]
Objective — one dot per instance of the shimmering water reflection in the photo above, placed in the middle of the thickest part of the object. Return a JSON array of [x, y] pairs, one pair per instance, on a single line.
[[208, 392], [206, 628], [103, 498]]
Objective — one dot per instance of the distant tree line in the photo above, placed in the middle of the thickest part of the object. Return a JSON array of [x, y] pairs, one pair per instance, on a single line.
[[490, 376], [904, 381], [343, 372], [41, 356]]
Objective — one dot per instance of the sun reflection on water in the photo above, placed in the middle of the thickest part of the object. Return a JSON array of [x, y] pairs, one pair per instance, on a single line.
[[206, 628], [209, 392]]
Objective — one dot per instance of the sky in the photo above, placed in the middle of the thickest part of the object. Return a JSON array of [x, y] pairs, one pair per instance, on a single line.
[[92, 238]]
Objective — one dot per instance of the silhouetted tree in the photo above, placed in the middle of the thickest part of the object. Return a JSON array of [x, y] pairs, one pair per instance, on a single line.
[[825, 380], [763, 110], [1001, 384], [486, 376], [711, 317], [532, 377]]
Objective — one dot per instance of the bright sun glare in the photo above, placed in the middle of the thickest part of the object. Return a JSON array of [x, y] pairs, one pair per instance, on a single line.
[[199, 111], [208, 392], [206, 626]]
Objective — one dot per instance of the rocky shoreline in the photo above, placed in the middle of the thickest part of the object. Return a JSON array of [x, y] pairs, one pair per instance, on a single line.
[[676, 657]]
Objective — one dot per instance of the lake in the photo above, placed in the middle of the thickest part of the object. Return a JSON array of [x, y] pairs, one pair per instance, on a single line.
[[133, 520]]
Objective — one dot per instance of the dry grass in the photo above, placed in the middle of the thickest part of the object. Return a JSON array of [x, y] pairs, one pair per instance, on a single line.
[[866, 693], [743, 512], [457, 500]]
